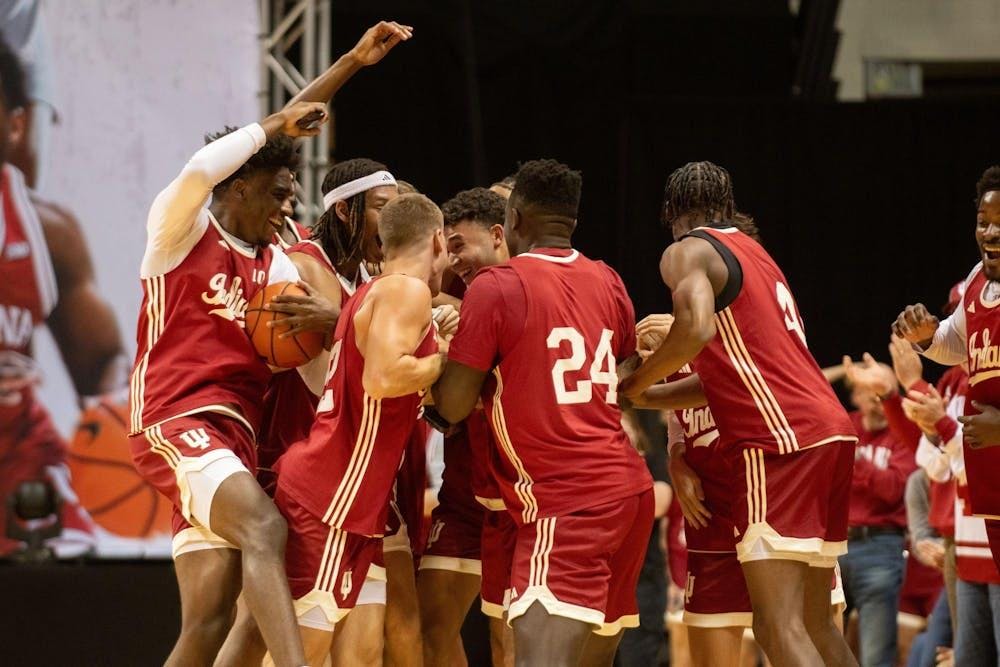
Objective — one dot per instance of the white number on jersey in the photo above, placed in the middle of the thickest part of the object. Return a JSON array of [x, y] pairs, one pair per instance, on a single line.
[[787, 305], [326, 401], [602, 369], [259, 276]]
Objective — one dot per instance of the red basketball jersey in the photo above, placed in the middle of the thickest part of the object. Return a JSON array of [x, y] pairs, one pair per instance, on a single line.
[[466, 477], [298, 231], [702, 454], [344, 471], [982, 327], [289, 404], [552, 396], [765, 388], [28, 289], [194, 354]]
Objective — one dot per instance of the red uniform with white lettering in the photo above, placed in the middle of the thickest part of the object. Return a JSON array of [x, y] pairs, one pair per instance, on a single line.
[[289, 404], [771, 401], [550, 325], [29, 442], [334, 487]]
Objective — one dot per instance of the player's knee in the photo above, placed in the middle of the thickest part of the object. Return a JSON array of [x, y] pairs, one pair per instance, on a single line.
[[265, 530]]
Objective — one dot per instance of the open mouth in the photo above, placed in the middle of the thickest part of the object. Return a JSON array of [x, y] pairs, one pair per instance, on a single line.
[[276, 223], [991, 251]]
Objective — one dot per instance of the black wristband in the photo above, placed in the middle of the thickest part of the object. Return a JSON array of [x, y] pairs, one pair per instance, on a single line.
[[434, 418]]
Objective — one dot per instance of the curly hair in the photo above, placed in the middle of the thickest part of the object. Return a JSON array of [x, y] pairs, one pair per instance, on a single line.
[[479, 205], [12, 84], [342, 240], [698, 186], [279, 151], [990, 180], [549, 185]]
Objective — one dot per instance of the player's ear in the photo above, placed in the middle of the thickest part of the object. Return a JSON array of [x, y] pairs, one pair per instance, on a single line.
[[17, 128], [440, 246], [496, 232], [340, 208], [239, 188]]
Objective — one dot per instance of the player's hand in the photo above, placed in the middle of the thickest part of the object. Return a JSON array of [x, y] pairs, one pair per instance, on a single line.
[[652, 330], [303, 119], [446, 316], [870, 374], [982, 430], [379, 40], [17, 373], [687, 487], [905, 361], [924, 409], [675, 597], [916, 325], [312, 312], [930, 552]]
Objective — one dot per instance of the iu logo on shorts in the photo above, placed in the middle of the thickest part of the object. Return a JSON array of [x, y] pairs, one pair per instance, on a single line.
[[689, 589], [435, 532], [196, 438], [346, 584]]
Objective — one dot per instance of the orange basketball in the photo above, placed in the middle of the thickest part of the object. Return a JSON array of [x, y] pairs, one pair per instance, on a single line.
[[105, 480], [281, 352]]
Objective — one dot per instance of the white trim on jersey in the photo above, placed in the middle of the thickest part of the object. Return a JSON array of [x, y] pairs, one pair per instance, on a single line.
[[361, 456], [753, 380], [155, 288], [524, 482], [549, 258], [239, 245], [45, 275], [721, 230]]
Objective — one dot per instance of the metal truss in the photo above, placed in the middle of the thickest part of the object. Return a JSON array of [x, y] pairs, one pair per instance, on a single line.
[[295, 49]]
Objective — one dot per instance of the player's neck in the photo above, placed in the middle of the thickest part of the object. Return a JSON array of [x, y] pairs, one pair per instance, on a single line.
[[415, 265], [349, 269], [551, 241], [226, 221]]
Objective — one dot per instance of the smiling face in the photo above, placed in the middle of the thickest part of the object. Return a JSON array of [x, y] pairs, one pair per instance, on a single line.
[[472, 246], [259, 206], [988, 233], [375, 200]]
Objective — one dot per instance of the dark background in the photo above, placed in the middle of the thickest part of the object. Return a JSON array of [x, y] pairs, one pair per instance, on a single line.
[[866, 206]]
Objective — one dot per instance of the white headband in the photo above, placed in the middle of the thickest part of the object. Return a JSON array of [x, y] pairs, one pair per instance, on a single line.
[[357, 186]]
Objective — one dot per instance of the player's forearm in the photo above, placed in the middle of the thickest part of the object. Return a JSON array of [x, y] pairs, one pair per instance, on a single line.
[[685, 340], [677, 395], [326, 85], [947, 347], [407, 375]]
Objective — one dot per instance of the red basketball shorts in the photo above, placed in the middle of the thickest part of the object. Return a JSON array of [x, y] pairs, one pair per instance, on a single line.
[[716, 595], [497, 543], [187, 459], [454, 542], [793, 506], [326, 566], [584, 565]]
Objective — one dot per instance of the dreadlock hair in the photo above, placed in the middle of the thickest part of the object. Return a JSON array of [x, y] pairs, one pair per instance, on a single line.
[[549, 185], [342, 239], [479, 205], [12, 86], [279, 151], [698, 186], [746, 224], [990, 180]]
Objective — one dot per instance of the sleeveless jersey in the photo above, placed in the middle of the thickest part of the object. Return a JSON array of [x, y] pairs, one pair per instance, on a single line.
[[467, 484], [28, 291], [344, 471], [982, 327], [289, 404], [765, 388], [194, 354], [552, 399], [702, 454], [299, 232]]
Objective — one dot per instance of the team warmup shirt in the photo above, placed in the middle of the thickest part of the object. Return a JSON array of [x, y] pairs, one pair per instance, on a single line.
[[344, 471], [549, 326], [883, 462], [194, 354], [972, 334], [765, 389]]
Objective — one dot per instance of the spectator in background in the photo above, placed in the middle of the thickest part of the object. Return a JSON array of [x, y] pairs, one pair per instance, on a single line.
[[872, 569]]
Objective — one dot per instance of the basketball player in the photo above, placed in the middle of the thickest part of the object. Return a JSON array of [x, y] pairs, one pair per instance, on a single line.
[[452, 568], [291, 232], [968, 336], [547, 328], [47, 277], [779, 422], [334, 487]]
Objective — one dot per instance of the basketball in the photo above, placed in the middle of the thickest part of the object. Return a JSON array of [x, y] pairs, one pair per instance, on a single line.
[[106, 481], [281, 352]]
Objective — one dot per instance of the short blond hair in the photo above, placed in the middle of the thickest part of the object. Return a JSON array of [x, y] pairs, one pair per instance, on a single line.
[[407, 219]]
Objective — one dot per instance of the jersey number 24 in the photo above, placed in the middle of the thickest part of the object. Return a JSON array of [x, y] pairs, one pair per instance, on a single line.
[[602, 367]]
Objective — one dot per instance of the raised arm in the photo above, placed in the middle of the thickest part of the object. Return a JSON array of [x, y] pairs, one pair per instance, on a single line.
[[399, 314], [371, 48], [943, 342], [685, 268]]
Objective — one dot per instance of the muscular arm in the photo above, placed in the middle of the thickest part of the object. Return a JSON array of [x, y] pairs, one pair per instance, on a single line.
[[685, 393], [686, 268], [398, 314], [457, 392], [82, 322]]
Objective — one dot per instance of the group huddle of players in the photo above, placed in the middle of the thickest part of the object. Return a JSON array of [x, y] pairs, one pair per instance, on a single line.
[[297, 493]]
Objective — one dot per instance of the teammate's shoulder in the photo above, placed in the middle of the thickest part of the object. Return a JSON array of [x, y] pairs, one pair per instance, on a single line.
[[401, 286]]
